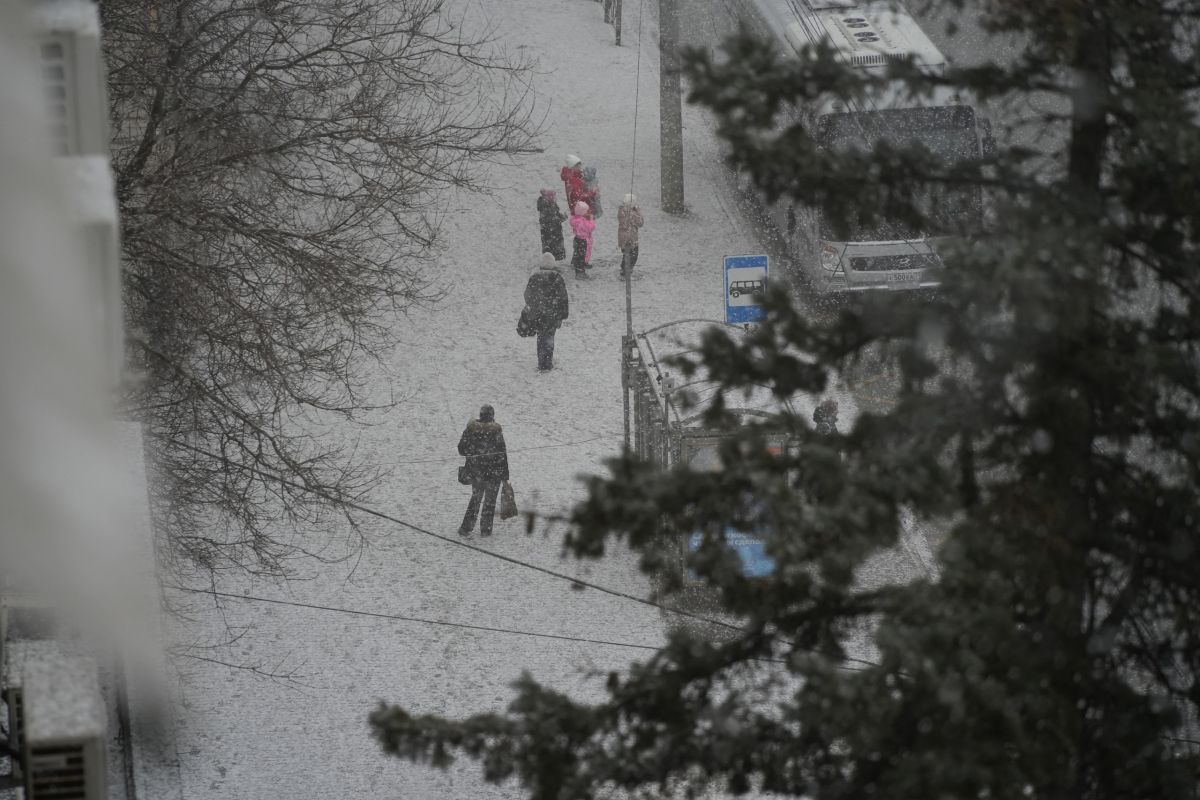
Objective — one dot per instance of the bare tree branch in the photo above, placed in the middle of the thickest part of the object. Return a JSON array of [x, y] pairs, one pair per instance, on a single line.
[[280, 171]]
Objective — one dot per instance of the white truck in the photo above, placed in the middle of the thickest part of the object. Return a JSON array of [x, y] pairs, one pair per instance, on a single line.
[[878, 253]]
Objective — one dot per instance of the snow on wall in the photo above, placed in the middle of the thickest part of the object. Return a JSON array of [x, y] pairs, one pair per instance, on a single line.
[[87, 183], [69, 506], [61, 16], [62, 697]]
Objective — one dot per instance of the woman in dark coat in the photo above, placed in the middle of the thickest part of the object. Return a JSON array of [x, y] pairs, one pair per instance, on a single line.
[[487, 465], [551, 219], [546, 299]]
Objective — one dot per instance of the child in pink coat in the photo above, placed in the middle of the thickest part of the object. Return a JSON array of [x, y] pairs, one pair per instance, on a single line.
[[583, 224]]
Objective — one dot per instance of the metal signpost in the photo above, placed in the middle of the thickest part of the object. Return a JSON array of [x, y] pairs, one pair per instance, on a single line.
[[628, 346], [745, 281]]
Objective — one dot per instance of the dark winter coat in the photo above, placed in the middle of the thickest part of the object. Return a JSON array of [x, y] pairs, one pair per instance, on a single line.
[[551, 219], [487, 457], [546, 299], [825, 416]]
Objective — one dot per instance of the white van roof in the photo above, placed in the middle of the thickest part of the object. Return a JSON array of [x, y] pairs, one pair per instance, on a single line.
[[868, 33], [872, 33]]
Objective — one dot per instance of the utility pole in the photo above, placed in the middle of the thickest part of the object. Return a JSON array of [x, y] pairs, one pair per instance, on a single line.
[[627, 341], [616, 20], [670, 100]]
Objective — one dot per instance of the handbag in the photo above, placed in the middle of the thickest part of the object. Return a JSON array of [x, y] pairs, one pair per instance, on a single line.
[[464, 475], [508, 502], [525, 325]]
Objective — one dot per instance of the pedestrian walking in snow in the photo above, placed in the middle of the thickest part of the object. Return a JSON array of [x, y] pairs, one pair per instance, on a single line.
[[592, 183], [551, 218], [547, 306], [825, 417], [583, 226], [629, 220], [487, 467], [574, 185]]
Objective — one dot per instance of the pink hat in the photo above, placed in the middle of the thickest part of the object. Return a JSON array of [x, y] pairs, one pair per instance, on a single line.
[[581, 208]]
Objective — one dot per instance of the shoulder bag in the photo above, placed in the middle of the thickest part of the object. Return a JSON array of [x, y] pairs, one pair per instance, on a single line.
[[525, 325]]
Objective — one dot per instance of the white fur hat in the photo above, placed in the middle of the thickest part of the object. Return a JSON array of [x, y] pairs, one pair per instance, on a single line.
[[573, 161], [547, 259], [630, 200]]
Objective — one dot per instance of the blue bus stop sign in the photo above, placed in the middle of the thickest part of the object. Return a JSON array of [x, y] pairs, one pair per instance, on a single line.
[[745, 281]]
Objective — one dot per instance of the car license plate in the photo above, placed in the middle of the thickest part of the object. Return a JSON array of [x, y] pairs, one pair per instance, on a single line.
[[904, 280]]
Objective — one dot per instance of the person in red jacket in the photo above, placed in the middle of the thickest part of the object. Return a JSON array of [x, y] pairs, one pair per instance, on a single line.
[[574, 182]]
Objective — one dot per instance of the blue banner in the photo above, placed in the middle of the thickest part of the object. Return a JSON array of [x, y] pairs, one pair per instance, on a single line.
[[750, 549]]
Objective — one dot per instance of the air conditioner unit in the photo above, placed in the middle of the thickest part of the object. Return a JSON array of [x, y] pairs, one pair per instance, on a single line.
[[57, 723], [67, 37], [12, 692]]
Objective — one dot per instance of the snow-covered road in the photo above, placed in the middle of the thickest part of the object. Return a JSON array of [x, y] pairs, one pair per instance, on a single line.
[[245, 737]]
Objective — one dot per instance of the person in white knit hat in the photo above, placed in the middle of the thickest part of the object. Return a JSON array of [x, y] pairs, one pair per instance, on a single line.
[[629, 220], [574, 184]]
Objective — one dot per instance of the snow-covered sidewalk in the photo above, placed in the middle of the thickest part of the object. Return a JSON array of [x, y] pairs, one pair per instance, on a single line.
[[243, 737]]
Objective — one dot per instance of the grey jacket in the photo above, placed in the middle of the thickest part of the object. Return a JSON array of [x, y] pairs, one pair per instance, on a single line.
[[629, 219]]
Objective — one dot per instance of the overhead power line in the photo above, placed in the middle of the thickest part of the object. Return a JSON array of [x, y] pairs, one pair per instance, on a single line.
[[457, 542], [445, 623], [402, 618]]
